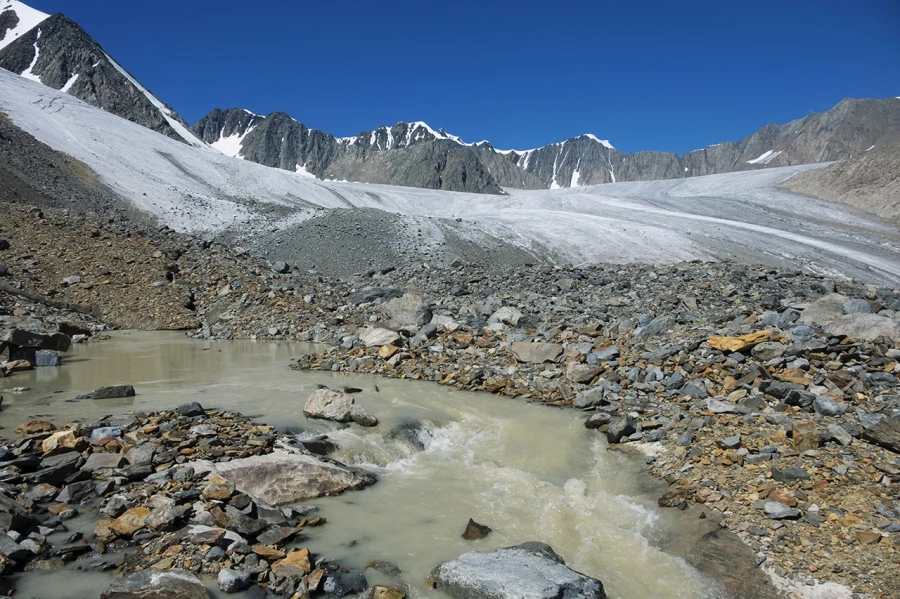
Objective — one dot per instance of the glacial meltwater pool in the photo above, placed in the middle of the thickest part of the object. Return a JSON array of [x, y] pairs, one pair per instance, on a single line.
[[530, 472]]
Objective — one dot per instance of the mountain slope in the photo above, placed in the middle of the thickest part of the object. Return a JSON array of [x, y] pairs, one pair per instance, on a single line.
[[277, 213], [15, 19], [869, 181], [58, 53], [277, 140]]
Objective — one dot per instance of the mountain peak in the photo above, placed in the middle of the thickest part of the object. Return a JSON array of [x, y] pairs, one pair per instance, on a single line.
[[17, 18]]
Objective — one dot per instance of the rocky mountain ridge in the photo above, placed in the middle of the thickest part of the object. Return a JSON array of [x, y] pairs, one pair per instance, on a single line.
[[849, 129], [57, 52]]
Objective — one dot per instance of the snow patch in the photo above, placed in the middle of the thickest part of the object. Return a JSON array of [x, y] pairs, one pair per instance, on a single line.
[[29, 18], [301, 170], [27, 73], [819, 590], [65, 88], [765, 158], [603, 142], [231, 145], [183, 131], [575, 177], [872, 148]]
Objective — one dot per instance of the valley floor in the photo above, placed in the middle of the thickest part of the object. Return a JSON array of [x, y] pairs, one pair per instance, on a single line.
[[763, 396]]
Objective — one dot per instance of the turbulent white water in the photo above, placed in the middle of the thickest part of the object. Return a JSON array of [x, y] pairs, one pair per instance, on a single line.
[[529, 472]]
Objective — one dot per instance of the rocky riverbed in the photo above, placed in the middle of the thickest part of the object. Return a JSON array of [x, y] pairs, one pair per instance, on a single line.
[[766, 397]]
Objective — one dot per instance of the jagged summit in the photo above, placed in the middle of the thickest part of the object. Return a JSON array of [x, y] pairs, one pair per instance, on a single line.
[[55, 51]]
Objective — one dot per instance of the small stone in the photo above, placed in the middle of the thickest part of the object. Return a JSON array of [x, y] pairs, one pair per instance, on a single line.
[[191, 409], [733, 442], [778, 511], [217, 488], [295, 563]]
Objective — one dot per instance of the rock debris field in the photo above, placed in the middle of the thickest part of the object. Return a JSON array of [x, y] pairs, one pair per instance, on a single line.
[[766, 398]]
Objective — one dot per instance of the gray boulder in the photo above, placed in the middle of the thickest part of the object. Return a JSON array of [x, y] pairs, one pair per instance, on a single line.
[[619, 427], [824, 310], [377, 337], [233, 581], [536, 353], [865, 327], [362, 416], [326, 404], [24, 338], [655, 327], [531, 570], [409, 310], [883, 431], [280, 478], [857, 306], [113, 392], [506, 315], [148, 584]]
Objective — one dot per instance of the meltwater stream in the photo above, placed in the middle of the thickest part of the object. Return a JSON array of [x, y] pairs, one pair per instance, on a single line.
[[530, 472]]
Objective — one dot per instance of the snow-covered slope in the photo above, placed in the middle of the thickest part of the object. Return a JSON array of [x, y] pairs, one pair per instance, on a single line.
[[737, 215], [17, 18], [57, 52]]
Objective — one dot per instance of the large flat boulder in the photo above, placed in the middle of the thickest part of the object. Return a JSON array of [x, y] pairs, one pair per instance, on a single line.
[[864, 327], [536, 353], [531, 570], [378, 337], [165, 584], [281, 478], [824, 310], [25, 338]]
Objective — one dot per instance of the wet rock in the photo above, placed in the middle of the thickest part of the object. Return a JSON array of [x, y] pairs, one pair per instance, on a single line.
[[329, 405], [341, 584], [25, 338], [475, 531], [105, 432], [362, 416], [529, 570], [536, 353], [597, 420], [233, 581], [619, 428], [414, 433], [280, 478], [113, 392], [296, 563], [166, 584], [55, 470], [381, 592], [131, 521], [191, 409], [33, 427]]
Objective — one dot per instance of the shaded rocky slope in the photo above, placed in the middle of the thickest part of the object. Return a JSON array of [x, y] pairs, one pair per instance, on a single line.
[[870, 181], [60, 54]]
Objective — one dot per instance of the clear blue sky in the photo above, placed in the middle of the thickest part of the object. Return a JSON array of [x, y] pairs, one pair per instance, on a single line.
[[659, 74]]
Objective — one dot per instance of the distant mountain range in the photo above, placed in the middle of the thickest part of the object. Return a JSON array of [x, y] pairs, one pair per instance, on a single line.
[[57, 52]]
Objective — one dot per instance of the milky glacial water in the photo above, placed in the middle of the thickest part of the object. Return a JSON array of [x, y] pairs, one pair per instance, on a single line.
[[530, 472]]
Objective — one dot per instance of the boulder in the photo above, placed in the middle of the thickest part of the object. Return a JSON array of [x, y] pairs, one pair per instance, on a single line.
[[655, 327], [280, 478], [362, 416], [536, 353], [506, 315], [738, 344], [149, 584], [619, 427], [63, 441], [370, 294], [377, 337], [24, 338], [326, 404], [233, 581], [475, 531], [824, 310], [885, 432], [113, 392], [531, 570], [864, 327], [409, 310]]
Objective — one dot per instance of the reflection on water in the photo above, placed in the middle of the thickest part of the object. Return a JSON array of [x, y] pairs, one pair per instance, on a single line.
[[529, 472]]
